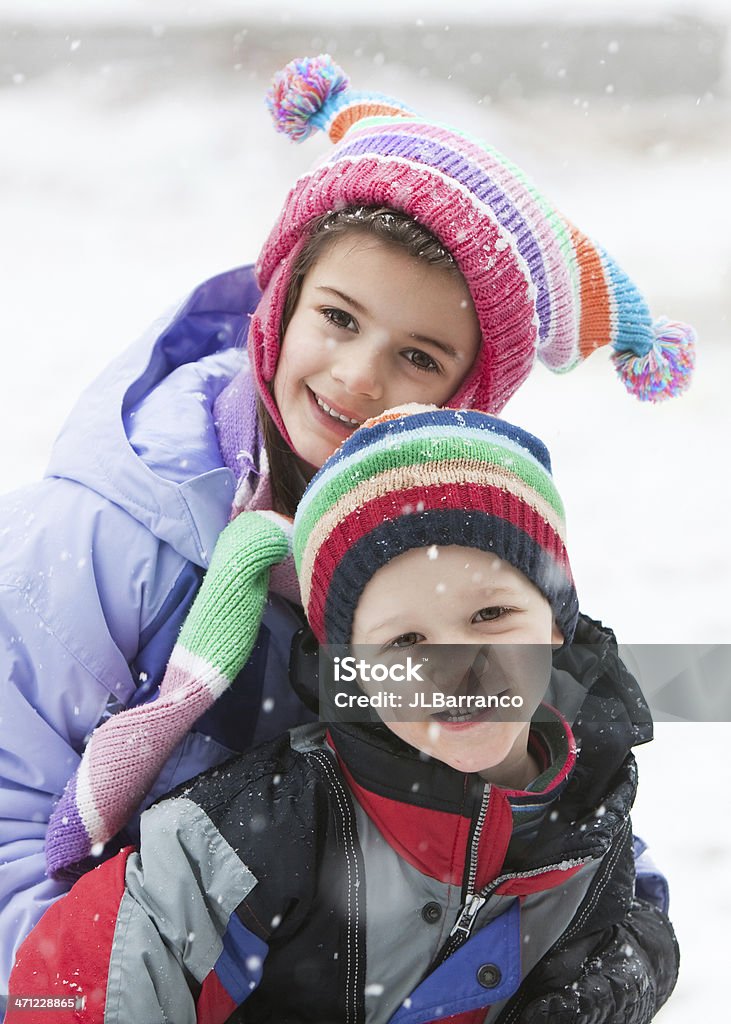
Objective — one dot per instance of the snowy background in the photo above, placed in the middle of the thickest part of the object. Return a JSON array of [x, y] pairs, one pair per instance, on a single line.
[[137, 159]]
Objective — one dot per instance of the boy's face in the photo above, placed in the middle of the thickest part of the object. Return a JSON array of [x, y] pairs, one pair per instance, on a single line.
[[457, 595], [373, 328]]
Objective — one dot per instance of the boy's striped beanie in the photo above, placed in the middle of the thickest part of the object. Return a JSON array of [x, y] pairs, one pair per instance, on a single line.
[[418, 476], [540, 287]]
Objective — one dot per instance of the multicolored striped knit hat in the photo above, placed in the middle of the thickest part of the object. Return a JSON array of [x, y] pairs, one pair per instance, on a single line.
[[540, 287], [417, 476]]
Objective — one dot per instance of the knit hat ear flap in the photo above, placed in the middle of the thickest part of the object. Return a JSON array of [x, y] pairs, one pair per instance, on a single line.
[[264, 326], [126, 754], [539, 286]]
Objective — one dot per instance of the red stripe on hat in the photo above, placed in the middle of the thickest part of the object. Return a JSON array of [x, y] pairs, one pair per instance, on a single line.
[[388, 507]]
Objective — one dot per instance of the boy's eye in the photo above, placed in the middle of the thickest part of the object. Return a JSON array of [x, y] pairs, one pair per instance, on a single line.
[[405, 640], [490, 614], [339, 318], [421, 360]]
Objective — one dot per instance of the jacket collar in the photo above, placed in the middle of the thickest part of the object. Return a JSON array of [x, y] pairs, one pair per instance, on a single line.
[[427, 810]]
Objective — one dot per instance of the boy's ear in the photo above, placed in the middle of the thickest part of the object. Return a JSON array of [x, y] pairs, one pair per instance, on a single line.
[[557, 637]]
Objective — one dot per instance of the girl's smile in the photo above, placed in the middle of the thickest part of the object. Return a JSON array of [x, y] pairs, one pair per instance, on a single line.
[[373, 327], [340, 419]]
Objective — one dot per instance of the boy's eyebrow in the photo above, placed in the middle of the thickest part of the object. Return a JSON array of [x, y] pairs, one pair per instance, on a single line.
[[382, 623], [445, 347], [488, 593], [493, 591]]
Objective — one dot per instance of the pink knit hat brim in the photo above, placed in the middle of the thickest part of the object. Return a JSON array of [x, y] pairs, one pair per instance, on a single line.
[[495, 272]]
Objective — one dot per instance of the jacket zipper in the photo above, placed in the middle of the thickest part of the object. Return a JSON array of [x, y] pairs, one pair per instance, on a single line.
[[475, 901], [468, 914]]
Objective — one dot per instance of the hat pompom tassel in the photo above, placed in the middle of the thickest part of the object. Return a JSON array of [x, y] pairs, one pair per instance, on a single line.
[[300, 91], [665, 369]]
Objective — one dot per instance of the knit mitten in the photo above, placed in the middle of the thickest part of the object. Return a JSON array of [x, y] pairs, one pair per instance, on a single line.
[[126, 754]]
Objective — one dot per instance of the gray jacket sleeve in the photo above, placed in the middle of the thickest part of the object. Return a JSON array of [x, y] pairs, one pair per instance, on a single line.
[[152, 934]]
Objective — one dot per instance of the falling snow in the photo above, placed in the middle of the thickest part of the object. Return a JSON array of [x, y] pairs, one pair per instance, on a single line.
[[136, 259]]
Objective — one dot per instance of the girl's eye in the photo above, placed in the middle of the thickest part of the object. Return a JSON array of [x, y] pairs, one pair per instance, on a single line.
[[405, 640], [490, 614], [339, 318], [422, 361]]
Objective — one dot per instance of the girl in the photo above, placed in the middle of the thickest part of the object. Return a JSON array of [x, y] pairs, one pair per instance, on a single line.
[[414, 263], [434, 867]]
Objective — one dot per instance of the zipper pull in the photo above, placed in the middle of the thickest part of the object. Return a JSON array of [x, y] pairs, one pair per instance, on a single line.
[[466, 919]]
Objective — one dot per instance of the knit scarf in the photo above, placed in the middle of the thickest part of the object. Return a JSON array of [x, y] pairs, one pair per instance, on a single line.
[[126, 754]]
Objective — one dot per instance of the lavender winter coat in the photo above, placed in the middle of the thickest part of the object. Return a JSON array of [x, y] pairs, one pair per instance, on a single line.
[[98, 565]]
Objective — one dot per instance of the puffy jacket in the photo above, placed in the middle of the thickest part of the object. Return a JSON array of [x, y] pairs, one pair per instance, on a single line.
[[346, 878], [99, 563]]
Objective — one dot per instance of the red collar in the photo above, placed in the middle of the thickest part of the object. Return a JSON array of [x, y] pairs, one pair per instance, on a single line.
[[426, 810]]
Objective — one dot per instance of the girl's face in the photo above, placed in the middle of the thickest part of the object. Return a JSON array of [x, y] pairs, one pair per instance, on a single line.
[[373, 328], [442, 597]]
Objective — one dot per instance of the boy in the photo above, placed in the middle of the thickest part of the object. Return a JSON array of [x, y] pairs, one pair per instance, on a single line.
[[442, 864]]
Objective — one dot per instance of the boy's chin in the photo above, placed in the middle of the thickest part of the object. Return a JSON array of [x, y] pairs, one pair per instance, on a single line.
[[477, 765], [502, 764]]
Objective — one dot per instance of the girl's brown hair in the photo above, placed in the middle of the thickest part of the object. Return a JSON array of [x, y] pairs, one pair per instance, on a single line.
[[288, 473]]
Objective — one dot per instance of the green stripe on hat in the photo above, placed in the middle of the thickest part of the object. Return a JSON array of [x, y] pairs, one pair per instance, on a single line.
[[422, 451]]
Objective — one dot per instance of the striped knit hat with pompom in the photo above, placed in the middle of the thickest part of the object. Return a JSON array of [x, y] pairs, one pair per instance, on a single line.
[[418, 476], [540, 287]]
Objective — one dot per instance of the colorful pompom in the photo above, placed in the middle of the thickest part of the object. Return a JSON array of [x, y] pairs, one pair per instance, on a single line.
[[300, 91], [665, 370]]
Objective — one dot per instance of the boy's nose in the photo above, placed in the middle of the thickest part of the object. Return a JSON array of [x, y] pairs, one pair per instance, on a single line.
[[458, 668], [359, 373]]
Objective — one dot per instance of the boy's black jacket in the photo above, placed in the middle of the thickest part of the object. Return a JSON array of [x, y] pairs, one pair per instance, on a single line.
[[589, 974]]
